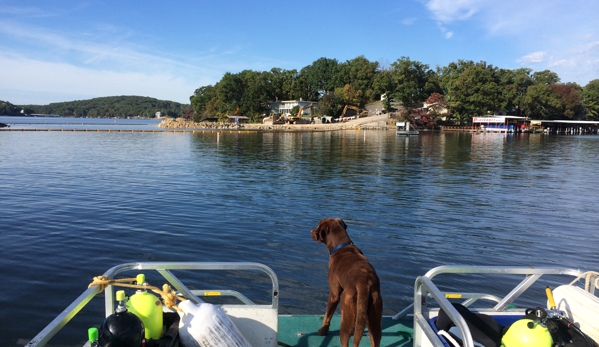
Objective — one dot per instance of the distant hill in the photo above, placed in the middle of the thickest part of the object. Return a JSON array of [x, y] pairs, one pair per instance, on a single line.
[[8, 109], [111, 106]]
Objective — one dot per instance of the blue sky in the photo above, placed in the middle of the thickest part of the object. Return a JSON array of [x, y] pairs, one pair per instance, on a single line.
[[52, 50]]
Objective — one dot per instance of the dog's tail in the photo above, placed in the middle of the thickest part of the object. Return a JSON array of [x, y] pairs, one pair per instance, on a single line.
[[363, 298], [375, 318], [369, 306]]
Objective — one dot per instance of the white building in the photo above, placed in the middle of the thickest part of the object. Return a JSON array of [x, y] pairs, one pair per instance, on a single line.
[[284, 107]]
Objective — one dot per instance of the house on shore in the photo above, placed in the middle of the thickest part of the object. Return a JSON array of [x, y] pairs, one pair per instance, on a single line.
[[284, 107]]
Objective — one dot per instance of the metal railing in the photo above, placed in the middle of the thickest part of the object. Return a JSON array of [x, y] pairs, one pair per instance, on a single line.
[[164, 269], [425, 289]]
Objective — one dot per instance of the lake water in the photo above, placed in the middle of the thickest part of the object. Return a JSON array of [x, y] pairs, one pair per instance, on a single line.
[[75, 204]]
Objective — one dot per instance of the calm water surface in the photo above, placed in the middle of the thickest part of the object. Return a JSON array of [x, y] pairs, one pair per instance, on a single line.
[[75, 204]]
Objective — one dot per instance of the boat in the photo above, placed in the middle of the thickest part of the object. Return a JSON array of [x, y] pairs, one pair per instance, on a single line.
[[405, 128], [262, 325], [3, 125]]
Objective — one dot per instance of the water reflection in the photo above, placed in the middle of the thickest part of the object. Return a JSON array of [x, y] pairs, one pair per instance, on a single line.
[[411, 203]]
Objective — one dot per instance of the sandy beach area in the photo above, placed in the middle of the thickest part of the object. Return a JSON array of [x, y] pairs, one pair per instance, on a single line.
[[370, 122]]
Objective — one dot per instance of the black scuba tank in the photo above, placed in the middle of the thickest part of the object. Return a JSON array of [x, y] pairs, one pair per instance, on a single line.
[[123, 328]]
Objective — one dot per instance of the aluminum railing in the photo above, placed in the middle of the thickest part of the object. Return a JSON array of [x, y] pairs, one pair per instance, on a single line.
[[425, 289], [164, 269]]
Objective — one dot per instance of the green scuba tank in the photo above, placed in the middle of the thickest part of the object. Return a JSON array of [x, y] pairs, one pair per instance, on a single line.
[[148, 308], [121, 329]]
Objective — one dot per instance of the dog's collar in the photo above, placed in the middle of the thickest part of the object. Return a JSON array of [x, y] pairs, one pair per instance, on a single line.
[[339, 246]]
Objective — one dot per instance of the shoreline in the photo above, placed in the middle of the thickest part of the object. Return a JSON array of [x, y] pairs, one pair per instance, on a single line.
[[379, 122]]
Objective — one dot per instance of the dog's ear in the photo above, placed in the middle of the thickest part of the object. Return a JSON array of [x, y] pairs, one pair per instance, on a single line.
[[319, 233], [341, 222]]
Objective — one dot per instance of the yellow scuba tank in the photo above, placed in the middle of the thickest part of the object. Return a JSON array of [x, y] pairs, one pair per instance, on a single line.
[[148, 308], [527, 333]]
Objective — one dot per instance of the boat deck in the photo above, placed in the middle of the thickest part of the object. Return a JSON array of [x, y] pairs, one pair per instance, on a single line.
[[261, 324], [301, 331]]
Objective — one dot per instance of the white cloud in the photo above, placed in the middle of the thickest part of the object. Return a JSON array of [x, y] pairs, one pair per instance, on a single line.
[[447, 11], [535, 57], [29, 78], [448, 34], [408, 21], [37, 63], [557, 63], [561, 36], [579, 64], [88, 52]]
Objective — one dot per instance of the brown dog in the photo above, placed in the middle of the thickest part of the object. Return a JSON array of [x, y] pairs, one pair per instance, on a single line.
[[353, 281]]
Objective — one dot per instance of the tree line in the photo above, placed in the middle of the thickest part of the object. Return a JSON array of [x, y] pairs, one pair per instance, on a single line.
[[464, 88], [104, 107]]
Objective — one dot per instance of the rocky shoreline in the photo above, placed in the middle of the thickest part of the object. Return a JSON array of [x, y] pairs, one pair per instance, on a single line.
[[380, 122]]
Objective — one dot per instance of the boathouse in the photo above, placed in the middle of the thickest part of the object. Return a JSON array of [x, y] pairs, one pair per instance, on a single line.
[[501, 124], [238, 119], [571, 127]]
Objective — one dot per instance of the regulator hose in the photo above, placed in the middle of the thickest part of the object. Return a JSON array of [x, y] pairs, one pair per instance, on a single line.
[[570, 324]]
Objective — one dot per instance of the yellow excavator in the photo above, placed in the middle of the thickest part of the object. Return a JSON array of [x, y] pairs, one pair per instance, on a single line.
[[298, 119], [359, 112], [274, 119]]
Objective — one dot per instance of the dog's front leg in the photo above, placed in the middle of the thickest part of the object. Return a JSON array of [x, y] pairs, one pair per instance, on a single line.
[[331, 307]]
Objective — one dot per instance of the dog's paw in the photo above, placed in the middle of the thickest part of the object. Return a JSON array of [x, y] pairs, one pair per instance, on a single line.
[[323, 331]]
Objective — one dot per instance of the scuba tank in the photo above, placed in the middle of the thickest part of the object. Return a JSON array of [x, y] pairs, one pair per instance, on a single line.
[[148, 308], [123, 328], [92, 336]]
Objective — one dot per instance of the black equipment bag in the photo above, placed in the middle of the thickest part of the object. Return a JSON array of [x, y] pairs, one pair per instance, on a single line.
[[563, 332]]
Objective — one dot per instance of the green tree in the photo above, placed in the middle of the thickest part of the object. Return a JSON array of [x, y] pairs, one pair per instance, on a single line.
[[410, 79], [383, 82], [331, 104], [358, 73], [294, 110], [8, 109], [590, 99], [320, 76], [256, 95], [547, 99], [112, 106], [514, 84], [229, 91], [539, 102], [545, 77], [284, 84], [202, 102], [567, 101], [471, 89], [448, 76]]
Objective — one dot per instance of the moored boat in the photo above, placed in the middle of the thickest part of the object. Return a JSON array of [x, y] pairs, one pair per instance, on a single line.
[[405, 128]]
